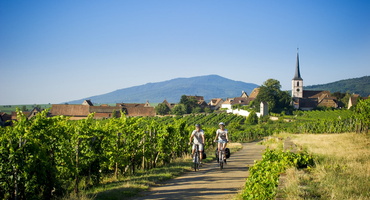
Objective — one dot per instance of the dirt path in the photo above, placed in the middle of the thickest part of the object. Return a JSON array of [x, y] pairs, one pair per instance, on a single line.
[[210, 182]]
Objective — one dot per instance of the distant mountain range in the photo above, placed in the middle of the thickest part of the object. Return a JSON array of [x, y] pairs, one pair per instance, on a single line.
[[210, 86], [359, 86]]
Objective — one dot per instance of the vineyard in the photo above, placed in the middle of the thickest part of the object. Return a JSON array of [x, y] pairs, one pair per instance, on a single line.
[[49, 157]]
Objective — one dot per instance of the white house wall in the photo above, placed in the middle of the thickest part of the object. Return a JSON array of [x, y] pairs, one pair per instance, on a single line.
[[241, 112]]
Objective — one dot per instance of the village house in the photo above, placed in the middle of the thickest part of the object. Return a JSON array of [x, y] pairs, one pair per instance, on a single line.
[[243, 100], [215, 104], [5, 119], [227, 103], [76, 112], [136, 109], [28, 114], [169, 105], [203, 104]]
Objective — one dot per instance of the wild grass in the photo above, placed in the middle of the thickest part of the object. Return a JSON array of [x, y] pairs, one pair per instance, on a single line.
[[133, 185], [342, 168]]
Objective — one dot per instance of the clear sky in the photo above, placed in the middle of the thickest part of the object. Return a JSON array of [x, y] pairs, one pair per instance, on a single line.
[[58, 51]]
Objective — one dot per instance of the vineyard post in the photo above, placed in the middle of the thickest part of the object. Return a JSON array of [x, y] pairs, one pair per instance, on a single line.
[[77, 161], [118, 145], [143, 163]]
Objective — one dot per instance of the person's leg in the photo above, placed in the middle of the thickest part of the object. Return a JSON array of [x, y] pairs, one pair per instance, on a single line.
[[219, 146], [201, 151], [192, 151], [224, 146], [224, 152]]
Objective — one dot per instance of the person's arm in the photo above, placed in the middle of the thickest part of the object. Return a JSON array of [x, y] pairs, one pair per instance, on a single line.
[[191, 137], [216, 136], [203, 139]]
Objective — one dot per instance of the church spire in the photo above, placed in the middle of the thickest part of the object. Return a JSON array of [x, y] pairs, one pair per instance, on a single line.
[[297, 75], [297, 81]]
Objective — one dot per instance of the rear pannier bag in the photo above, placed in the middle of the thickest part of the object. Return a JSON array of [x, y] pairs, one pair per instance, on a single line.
[[227, 152]]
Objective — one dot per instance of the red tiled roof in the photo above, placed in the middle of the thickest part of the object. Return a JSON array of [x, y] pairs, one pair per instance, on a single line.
[[215, 102], [315, 94], [139, 111], [69, 110], [254, 93], [240, 100]]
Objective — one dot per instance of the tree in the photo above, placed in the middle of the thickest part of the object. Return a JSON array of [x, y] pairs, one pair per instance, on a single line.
[[252, 118], [197, 110], [342, 98], [270, 92], [208, 110], [162, 109], [179, 109], [114, 114], [189, 102], [24, 108]]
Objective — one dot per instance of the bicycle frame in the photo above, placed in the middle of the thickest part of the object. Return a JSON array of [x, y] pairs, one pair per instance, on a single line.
[[221, 156], [196, 158]]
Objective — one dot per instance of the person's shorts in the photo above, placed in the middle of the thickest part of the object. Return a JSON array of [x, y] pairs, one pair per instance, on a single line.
[[222, 141], [200, 147]]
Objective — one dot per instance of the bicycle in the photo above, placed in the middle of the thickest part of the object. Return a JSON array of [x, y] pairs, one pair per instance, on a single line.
[[221, 157], [196, 158]]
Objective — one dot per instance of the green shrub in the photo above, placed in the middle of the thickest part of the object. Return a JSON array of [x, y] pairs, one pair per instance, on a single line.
[[264, 175]]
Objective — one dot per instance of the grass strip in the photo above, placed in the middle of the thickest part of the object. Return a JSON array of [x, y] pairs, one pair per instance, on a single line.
[[342, 168]]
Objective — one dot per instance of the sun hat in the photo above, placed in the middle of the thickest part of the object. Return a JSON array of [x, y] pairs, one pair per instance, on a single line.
[[221, 123]]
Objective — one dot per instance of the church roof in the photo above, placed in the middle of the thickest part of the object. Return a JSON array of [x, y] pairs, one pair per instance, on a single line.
[[297, 75]]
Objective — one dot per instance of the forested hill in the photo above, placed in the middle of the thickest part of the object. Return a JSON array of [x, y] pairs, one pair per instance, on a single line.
[[210, 86], [355, 85]]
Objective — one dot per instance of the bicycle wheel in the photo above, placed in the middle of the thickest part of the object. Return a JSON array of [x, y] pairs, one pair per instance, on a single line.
[[195, 162], [221, 160]]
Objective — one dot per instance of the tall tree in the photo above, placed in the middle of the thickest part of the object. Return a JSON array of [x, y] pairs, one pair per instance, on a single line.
[[162, 109], [179, 109], [189, 102], [270, 92]]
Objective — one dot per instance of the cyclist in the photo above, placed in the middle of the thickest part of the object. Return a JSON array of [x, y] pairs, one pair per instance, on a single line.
[[198, 136], [222, 137]]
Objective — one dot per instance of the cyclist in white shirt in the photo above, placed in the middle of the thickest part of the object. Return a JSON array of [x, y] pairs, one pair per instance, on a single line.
[[221, 136], [198, 139]]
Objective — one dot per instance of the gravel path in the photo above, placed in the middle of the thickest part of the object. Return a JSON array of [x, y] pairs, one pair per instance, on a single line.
[[210, 182]]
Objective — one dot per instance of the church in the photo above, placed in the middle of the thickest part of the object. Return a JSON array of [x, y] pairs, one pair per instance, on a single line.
[[309, 99]]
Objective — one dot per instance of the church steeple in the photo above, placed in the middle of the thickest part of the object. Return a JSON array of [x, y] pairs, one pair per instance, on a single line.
[[297, 75], [297, 81]]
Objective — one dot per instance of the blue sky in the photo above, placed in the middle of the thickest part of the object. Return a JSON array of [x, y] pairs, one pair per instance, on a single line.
[[57, 51]]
